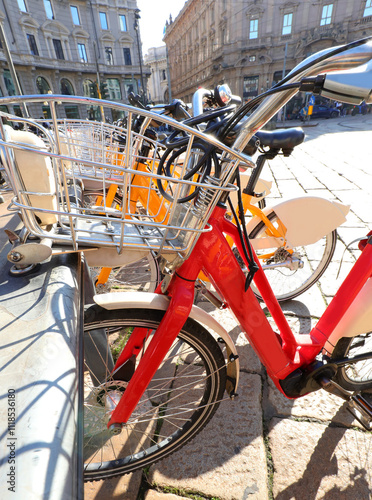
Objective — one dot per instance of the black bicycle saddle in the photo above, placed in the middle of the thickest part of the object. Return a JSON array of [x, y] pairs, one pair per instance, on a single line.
[[285, 139]]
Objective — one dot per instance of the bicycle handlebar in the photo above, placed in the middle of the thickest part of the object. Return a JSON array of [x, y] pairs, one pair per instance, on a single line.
[[197, 101], [338, 59]]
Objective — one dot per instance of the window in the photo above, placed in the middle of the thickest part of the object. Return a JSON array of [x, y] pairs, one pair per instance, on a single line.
[[82, 52], [32, 43], [103, 19], [113, 87], [123, 23], [250, 86], [108, 56], [368, 9], [287, 24], [223, 38], [72, 111], [88, 88], [22, 5], [253, 28], [46, 112], [66, 87], [163, 74], [278, 75], [75, 15], [42, 85], [252, 58], [58, 48], [9, 82], [326, 14], [48, 9], [130, 85], [17, 110], [127, 57]]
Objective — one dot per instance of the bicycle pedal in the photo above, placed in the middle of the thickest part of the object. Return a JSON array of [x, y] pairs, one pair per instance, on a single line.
[[361, 409]]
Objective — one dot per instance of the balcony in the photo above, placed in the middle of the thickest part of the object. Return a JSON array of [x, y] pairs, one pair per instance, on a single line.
[[366, 20]]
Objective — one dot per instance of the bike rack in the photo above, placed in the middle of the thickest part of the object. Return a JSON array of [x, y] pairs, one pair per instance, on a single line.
[[40, 318]]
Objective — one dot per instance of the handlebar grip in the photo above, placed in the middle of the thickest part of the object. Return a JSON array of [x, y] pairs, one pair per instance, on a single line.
[[235, 99]]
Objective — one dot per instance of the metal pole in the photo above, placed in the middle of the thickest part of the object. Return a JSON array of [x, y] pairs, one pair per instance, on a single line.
[[168, 75], [11, 66], [136, 27], [283, 75], [96, 55]]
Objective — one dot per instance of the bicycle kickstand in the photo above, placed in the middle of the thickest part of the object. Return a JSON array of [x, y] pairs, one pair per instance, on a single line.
[[358, 406]]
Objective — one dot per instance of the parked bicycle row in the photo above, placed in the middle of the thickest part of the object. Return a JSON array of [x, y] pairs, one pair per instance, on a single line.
[[181, 199]]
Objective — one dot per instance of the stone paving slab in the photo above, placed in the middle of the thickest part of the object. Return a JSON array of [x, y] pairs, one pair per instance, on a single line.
[[317, 406], [158, 495], [228, 459], [114, 489], [315, 461]]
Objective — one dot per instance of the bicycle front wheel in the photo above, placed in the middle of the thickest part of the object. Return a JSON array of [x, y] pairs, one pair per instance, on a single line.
[[354, 376], [291, 275], [179, 401]]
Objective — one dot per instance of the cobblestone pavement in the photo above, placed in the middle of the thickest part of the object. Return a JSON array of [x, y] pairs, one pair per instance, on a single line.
[[263, 446]]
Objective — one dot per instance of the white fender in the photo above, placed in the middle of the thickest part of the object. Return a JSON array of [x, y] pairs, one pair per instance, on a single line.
[[307, 219], [109, 257], [36, 172], [356, 320], [146, 300]]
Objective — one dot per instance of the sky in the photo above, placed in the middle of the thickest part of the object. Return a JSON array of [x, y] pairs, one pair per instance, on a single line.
[[154, 14]]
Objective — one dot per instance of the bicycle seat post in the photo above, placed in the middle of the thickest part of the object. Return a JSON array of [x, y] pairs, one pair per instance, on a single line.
[[256, 172]]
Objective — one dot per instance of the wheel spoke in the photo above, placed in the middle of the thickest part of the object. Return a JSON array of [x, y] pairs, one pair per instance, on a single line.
[[292, 273], [178, 402]]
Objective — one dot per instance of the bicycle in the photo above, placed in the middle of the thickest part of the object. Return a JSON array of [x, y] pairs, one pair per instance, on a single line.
[[285, 256], [81, 137], [155, 375], [170, 371]]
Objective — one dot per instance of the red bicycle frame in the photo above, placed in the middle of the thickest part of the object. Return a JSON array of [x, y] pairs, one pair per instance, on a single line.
[[281, 354]]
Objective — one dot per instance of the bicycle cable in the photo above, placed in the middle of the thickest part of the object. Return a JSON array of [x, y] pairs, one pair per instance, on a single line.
[[243, 110], [243, 235]]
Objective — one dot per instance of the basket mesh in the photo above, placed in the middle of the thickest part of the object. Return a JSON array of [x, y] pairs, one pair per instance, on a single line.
[[85, 183]]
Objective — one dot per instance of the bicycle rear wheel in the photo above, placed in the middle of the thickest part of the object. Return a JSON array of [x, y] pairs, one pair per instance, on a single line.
[[179, 401], [354, 376], [286, 282]]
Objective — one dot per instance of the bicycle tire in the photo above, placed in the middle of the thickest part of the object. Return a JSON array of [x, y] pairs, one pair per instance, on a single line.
[[356, 376], [171, 412], [142, 275], [288, 284]]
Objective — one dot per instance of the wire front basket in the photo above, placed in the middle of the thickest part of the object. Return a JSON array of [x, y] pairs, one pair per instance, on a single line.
[[149, 183]]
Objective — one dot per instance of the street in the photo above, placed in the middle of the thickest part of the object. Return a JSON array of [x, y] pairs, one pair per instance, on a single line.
[[262, 446]]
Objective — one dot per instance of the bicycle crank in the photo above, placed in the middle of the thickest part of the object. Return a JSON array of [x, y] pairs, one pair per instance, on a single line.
[[358, 406]]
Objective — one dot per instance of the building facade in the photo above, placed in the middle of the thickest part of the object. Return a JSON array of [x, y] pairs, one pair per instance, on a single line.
[[252, 44], [156, 60], [67, 47]]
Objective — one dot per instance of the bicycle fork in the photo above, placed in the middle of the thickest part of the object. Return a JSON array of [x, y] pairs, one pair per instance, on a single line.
[[174, 318]]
